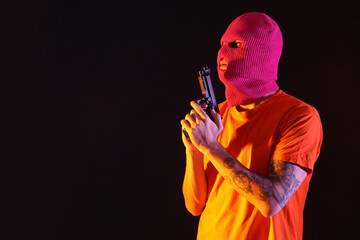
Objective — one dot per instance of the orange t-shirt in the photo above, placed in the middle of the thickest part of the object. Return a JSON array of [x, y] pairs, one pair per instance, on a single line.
[[280, 128]]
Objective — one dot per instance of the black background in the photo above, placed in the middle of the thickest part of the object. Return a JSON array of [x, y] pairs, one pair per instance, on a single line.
[[101, 87]]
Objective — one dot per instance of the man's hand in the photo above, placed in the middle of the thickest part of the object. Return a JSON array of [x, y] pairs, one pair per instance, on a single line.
[[203, 132]]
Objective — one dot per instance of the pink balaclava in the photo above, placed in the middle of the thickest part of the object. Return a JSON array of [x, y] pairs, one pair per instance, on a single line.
[[251, 63]]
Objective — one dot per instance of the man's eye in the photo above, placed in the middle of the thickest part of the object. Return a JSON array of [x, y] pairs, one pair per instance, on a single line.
[[238, 43], [235, 44]]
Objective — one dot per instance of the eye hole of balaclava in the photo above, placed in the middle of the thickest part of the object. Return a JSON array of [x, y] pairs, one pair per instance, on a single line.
[[235, 44]]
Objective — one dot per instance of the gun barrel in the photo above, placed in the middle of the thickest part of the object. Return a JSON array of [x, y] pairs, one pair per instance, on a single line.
[[207, 88], [202, 85]]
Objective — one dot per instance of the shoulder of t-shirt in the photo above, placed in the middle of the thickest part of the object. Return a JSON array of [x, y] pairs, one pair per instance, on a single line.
[[299, 121], [296, 110], [295, 105]]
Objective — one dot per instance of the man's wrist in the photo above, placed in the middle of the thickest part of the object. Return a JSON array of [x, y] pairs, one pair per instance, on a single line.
[[213, 149]]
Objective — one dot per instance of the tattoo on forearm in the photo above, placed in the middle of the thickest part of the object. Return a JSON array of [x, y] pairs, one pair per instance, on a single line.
[[242, 181], [287, 183], [239, 178], [229, 163], [268, 190], [279, 172]]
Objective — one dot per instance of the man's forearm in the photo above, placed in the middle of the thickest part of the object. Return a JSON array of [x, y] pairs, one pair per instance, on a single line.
[[195, 183], [265, 193]]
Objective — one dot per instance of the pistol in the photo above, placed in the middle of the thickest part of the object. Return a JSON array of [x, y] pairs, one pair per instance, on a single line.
[[207, 91], [208, 95]]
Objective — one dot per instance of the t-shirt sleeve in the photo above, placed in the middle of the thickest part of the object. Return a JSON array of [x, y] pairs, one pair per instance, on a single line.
[[299, 137]]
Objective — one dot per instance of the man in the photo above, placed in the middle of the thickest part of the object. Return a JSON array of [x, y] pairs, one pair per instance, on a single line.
[[248, 172]]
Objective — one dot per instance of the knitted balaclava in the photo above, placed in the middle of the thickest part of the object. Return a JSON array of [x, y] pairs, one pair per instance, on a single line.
[[250, 64]]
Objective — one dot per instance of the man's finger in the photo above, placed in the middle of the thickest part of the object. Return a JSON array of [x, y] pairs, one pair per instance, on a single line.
[[191, 120], [199, 110], [197, 118], [203, 105], [187, 130], [185, 124], [186, 135], [217, 119]]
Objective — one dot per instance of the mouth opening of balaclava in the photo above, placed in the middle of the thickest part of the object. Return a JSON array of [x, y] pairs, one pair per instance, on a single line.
[[252, 62]]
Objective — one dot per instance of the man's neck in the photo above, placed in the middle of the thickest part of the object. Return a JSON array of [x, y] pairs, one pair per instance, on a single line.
[[256, 102]]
